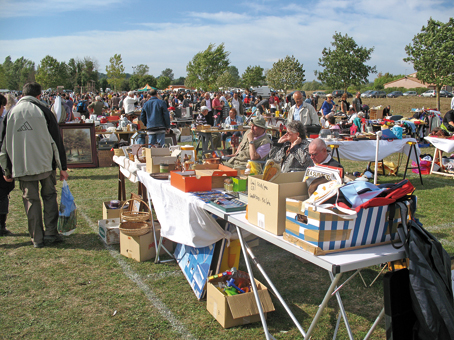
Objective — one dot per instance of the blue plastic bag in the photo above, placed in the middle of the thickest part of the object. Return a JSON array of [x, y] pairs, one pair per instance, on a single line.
[[359, 192], [67, 216], [397, 130]]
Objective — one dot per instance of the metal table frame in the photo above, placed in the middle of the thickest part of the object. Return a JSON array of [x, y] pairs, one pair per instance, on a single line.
[[336, 264]]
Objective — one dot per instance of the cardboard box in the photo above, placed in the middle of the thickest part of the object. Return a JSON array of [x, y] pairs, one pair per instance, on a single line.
[[237, 310], [266, 200], [109, 213], [185, 131], [217, 172], [321, 233], [376, 114], [109, 230], [142, 248], [188, 181], [153, 164]]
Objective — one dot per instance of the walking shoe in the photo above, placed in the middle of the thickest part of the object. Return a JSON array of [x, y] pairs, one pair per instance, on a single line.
[[38, 245], [5, 232], [51, 239]]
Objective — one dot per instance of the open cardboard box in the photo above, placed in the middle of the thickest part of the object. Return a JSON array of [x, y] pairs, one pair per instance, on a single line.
[[237, 310], [217, 172], [266, 200], [188, 181], [108, 212]]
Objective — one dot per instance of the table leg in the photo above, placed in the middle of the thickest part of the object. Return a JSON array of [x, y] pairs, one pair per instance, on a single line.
[[254, 286], [121, 186], [342, 309], [278, 295], [377, 321], [323, 305]]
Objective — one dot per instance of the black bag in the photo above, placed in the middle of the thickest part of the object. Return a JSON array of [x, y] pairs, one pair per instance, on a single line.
[[430, 280]]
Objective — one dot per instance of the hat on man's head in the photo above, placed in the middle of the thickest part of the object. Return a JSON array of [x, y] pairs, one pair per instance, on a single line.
[[130, 93], [203, 108], [259, 122], [329, 95]]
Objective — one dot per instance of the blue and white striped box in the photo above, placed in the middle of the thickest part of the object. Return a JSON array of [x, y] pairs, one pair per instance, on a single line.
[[321, 233]]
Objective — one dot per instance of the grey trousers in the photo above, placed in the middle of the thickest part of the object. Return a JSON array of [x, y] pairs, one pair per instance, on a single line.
[[33, 209]]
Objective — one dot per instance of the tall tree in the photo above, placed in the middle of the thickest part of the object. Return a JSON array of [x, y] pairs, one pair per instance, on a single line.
[[253, 76], [206, 66], [116, 71], [286, 74], [344, 64], [163, 82], [233, 70], [226, 80], [141, 70], [432, 54], [150, 80], [18, 73], [168, 72], [178, 81], [51, 73]]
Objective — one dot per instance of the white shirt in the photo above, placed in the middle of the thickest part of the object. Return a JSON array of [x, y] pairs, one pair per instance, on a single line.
[[128, 104], [236, 105], [452, 103]]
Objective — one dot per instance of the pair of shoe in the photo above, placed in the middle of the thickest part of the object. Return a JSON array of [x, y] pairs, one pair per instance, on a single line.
[[51, 239]]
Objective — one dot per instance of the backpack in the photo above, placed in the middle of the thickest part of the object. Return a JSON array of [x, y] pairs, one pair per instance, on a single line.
[[430, 279], [82, 106]]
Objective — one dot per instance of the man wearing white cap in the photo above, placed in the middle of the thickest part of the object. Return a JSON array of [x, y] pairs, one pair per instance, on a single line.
[[254, 146], [129, 103]]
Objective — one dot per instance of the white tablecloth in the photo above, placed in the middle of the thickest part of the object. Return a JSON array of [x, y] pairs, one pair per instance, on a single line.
[[446, 145], [181, 215], [364, 150], [129, 168]]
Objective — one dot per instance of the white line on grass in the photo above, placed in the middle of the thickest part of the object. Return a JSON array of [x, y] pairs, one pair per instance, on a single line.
[[152, 297]]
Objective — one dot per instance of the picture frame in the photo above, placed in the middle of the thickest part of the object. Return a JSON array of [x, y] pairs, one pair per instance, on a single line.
[[80, 145]]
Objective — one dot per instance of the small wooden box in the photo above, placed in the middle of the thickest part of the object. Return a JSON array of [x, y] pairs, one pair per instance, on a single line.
[[105, 158]]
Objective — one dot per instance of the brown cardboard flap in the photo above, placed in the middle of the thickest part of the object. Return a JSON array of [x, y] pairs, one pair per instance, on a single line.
[[243, 305]]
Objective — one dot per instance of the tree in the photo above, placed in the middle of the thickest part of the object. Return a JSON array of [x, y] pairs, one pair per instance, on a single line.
[[116, 71], [141, 70], [168, 72], [206, 66], [312, 86], [18, 73], [226, 80], [432, 54], [136, 82], [178, 81], [163, 82], [3, 78], [51, 73], [344, 64], [104, 84], [286, 74], [233, 70], [382, 79], [252, 76]]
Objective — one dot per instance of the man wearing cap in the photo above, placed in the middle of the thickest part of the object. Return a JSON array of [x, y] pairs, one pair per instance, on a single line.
[[302, 111], [254, 146], [129, 103]]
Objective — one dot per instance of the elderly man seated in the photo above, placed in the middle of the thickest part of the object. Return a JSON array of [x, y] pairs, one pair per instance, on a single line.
[[319, 154], [255, 145], [291, 150]]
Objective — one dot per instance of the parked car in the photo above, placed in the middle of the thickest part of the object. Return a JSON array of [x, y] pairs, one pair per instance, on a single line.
[[444, 93], [365, 94], [320, 94], [339, 93], [429, 93], [377, 94], [394, 94], [410, 94]]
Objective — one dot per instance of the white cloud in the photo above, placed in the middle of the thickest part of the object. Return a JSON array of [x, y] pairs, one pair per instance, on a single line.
[[28, 8], [302, 31]]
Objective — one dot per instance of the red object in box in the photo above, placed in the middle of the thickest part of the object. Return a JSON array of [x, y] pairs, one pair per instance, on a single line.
[[113, 118], [188, 181]]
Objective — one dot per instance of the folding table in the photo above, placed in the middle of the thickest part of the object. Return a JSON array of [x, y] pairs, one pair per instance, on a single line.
[[441, 145], [335, 264]]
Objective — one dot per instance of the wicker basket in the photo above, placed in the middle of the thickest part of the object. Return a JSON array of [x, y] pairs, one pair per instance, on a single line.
[[134, 216], [135, 228], [119, 152], [140, 157]]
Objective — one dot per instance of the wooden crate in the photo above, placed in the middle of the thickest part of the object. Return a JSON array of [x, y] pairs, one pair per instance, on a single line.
[[105, 158], [376, 114]]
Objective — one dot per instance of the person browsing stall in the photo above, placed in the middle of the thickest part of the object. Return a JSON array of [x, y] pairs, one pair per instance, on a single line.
[[291, 150], [232, 119], [32, 149], [156, 118], [254, 146], [448, 122], [327, 105], [302, 111]]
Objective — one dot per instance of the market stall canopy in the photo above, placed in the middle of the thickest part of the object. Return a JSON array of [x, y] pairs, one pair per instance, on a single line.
[[146, 88]]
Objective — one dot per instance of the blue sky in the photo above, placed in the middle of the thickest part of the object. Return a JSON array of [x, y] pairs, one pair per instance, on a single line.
[[167, 34]]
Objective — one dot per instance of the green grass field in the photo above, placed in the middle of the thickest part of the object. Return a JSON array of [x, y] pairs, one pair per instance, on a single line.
[[82, 289]]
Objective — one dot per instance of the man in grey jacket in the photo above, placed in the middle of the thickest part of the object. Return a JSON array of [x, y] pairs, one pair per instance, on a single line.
[[32, 149], [302, 111]]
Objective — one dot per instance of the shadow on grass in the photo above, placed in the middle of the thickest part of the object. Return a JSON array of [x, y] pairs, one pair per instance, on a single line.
[[94, 177]]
